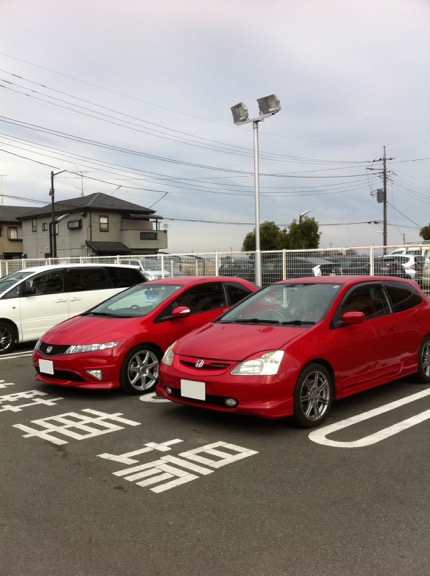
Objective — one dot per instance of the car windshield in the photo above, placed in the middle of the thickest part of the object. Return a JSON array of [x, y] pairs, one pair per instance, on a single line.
[[7, 281], [135, 302], [292, 304], [151, 265]]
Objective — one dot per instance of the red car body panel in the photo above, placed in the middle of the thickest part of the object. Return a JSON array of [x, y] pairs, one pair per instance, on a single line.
[[72, 369], [359, 356]]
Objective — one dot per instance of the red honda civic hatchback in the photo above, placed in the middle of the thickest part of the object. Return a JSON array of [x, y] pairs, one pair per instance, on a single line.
[[120, 342], [295, 346]]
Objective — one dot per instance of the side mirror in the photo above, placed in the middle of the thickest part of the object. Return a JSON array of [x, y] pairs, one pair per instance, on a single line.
[[180, 312], [350, 318]]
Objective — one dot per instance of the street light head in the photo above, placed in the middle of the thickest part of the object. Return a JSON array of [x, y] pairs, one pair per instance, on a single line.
[[269, 105], [240, 113]]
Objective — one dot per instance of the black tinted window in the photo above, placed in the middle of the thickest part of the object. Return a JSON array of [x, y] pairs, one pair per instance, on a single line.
[[402, 296], [236, 292], [49, 282], [203, 298], [87, 279], [124, 277]]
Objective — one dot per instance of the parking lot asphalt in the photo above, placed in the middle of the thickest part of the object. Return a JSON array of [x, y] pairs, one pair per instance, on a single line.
[[99, 483]]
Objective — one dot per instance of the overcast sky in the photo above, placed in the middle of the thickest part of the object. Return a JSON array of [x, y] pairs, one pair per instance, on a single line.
[[132, 98]]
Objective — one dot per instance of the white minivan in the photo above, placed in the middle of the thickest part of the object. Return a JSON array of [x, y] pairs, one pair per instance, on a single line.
[[33, 300]]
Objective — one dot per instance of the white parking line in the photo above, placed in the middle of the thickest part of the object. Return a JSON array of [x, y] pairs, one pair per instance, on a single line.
[[16, 355], [320, 435]]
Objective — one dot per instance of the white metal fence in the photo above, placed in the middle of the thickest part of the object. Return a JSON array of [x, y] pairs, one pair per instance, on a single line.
[[275, 265]]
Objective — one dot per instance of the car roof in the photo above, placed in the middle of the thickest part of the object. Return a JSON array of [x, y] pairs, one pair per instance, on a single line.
[[186, 280], [346, 280], [84, 265]]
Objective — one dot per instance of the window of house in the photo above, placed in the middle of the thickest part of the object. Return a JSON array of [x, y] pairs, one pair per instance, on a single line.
[[148, 235], [104, 223], [74, 224], [34, 225], [12, 233], [44, 226]]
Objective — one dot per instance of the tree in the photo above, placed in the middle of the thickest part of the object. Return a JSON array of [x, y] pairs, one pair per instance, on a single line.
[[270, 238], [304, 234], [300, 235], [425, 232]]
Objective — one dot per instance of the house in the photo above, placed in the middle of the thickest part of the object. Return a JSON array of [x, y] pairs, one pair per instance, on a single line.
[[11, 245], [94, 225]]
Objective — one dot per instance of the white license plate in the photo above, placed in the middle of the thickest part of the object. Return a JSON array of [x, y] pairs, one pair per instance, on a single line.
[[46, 366], [193, 389]]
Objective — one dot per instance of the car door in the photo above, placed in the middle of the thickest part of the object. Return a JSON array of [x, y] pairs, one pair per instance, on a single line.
[[42, 303], [205, 301], [368, 350]]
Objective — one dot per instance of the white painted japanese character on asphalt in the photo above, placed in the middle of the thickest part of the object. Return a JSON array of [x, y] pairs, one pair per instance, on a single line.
[[3, 384], [76, 426], [171, 471], [19, 400]]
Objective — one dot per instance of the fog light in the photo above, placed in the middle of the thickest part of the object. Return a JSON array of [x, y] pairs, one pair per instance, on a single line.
[[231, 402], [169, 390], [95, 374]]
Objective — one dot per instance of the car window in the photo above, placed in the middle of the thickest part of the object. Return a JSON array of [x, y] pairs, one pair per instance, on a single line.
[[202, 298], [367, 298], [123, 277], [49, 282], [402, 296], [81, 279], [236, 292]]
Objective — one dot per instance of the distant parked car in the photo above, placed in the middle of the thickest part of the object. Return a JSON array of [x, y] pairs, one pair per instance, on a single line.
[[382, 266], [33, 300], [413, 265], [298, 267], [120, 342], [150, 267], [238, 268], [295, 346]]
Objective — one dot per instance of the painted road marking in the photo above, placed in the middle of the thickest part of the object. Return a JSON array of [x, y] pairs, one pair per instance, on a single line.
[[76, 426], [320, 435], [152, 397], [17, 401], [171, 471]]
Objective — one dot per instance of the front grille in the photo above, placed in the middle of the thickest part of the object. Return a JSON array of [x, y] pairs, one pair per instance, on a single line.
[[56, 350], [208, 364], [61, 375]]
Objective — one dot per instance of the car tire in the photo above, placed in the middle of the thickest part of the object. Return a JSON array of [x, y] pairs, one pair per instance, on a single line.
[[8, 337], [313, 395], [424, 361], [139, 371]]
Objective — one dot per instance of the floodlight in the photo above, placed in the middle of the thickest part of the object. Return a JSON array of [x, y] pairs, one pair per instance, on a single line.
[[269, 105], [240, 113]]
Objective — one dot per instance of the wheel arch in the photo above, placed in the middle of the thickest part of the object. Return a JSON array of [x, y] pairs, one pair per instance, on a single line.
[[327, 366]]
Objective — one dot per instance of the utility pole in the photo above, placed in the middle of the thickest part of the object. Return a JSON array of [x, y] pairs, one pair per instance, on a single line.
[[382, 194], [53, 224], [384, 180]]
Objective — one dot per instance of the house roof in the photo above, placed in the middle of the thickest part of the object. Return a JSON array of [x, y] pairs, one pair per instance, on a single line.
[[9, 214], [97, 201]]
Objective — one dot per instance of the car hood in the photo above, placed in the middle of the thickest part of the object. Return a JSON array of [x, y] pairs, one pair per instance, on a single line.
[[235, 341], [92, 329]]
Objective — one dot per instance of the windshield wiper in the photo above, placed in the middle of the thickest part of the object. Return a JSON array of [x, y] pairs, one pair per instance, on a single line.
[[298, 322], [252, 321]]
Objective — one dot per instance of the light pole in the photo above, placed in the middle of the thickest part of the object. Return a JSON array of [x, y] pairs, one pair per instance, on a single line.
[[52, 238], [303, 214], [268, 106]]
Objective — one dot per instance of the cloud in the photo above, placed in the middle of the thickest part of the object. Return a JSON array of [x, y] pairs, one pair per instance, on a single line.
[[141, 94]]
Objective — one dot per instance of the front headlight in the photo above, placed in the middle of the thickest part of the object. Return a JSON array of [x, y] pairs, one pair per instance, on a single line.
[[265, 365], [168, 355], [82, 348]]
